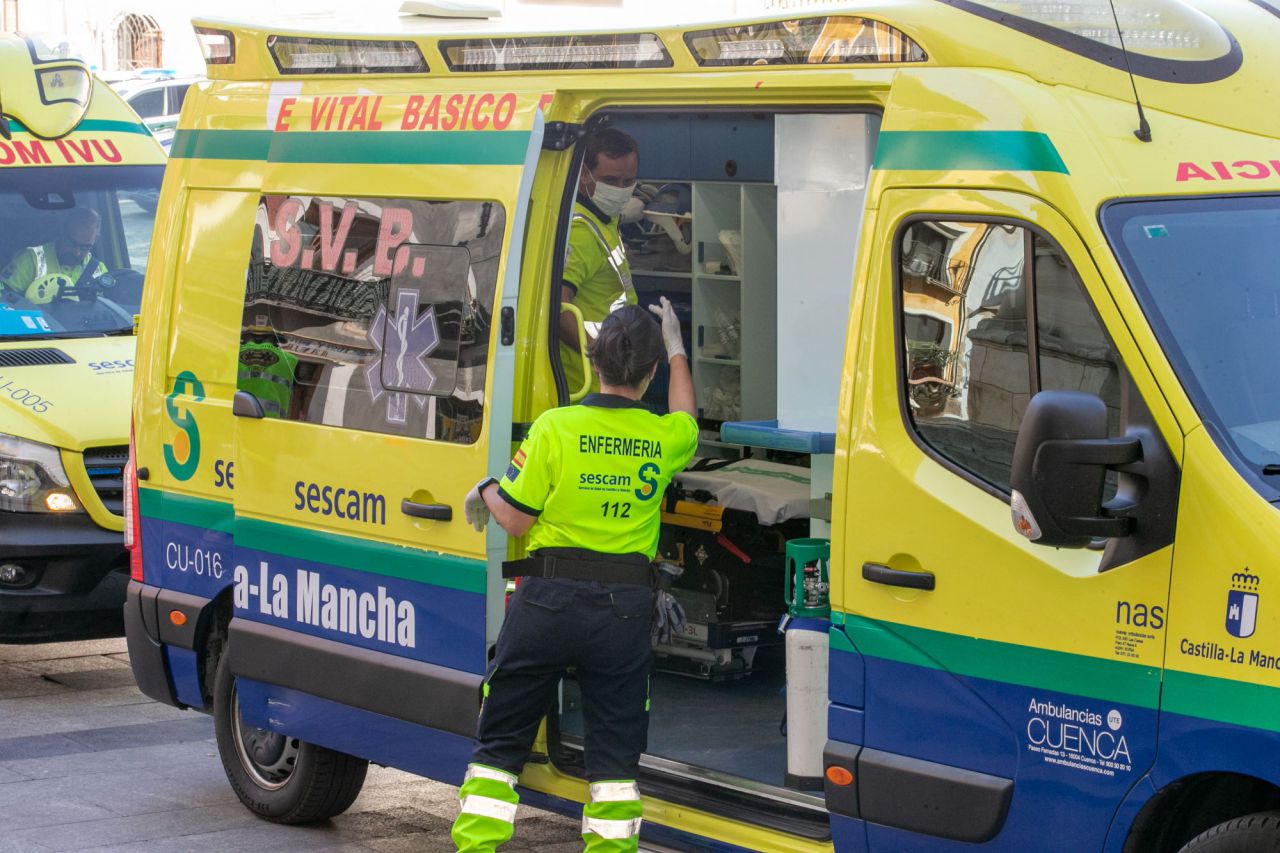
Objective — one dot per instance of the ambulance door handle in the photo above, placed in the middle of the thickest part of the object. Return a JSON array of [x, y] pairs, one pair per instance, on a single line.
[[507, 326], [433, 512], [877, 573]]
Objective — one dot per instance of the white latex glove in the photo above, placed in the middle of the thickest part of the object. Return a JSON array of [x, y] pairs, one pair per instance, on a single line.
[[671, 336], [474, 507]]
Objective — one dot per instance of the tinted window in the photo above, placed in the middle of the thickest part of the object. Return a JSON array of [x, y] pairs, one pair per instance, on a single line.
[[967, 294], [148, 104], [372, 314]]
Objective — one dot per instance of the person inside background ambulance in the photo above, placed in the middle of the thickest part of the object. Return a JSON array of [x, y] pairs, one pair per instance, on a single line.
[[267, 371], [40, 273], [597, 277]]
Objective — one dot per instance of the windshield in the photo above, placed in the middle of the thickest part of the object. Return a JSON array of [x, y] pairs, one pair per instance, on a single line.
[[73, 244], [1207, 272]]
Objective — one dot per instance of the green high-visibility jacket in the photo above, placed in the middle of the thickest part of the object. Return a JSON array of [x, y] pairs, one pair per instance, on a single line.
[[35, 262], [594, 474], [268, 373], [596, 266]]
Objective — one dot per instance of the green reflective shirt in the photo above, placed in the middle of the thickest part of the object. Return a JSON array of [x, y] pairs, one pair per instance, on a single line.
[[594, 474], [595, 263], [268, 373]]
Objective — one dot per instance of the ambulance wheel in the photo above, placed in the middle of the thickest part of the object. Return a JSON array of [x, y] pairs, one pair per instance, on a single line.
[[279, 778], [1255, 833]]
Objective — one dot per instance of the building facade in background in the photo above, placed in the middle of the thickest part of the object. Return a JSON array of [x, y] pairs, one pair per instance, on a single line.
[[121, 37], [116, 38]]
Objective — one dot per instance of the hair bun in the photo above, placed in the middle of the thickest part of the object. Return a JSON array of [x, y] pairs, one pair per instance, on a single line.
[[628, 347]]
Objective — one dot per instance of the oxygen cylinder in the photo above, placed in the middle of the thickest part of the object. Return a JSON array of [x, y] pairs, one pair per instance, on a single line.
[[807, 644], [806, 702]]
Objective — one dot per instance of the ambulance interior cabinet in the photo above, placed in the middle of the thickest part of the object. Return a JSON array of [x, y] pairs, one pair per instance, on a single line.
[[734, 289]]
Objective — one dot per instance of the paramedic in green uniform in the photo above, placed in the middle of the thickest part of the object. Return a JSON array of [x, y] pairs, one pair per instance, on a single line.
[[586, 486], [596, 273], [27, 273]]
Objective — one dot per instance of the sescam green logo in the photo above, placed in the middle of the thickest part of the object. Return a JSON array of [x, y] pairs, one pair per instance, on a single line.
[[183, 455], [648, 475]]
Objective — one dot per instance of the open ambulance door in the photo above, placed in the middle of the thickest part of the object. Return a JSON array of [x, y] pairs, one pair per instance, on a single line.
[[375, 383]]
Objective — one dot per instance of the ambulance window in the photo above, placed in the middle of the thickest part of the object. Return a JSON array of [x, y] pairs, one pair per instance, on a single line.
[[148, 104], [372, 314], [1074, 350], [177, 94], [965, 291]]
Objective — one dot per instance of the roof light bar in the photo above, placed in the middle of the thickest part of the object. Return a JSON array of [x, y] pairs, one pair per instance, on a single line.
[[44, 47], [834, 39], [1079, 11], [1142, 39], [1146, 27], [299, 55], [556, 53], [218, 46], [1161, 30]]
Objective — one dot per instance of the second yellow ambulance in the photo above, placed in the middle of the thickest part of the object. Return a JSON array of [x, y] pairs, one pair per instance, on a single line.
[[79, 180]]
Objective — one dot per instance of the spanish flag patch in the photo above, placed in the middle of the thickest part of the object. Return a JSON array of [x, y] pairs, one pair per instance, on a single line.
[[516, 466]]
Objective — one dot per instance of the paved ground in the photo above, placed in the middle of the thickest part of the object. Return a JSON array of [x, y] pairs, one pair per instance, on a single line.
[[89, 763]]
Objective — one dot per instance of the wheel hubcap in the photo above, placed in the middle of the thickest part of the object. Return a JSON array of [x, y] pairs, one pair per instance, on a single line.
[[268, 757]]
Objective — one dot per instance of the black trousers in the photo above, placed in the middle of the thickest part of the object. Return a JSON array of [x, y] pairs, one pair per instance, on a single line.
[[552, 624]]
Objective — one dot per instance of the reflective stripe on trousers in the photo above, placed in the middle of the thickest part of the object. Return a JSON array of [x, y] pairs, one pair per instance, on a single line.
[[613, 792], [613, 830], [488, 813], [611, 820]]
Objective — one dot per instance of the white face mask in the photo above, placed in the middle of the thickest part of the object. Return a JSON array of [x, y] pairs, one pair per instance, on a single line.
[[609, 199]]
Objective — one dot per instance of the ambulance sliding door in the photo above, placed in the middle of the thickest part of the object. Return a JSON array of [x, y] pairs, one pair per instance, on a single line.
[[375, 384]]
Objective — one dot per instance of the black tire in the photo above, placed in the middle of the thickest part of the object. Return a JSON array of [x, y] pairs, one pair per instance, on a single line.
[[278, 778], [1255, 833]]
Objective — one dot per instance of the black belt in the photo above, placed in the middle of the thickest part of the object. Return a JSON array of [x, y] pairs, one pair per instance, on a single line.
[[581, 565]]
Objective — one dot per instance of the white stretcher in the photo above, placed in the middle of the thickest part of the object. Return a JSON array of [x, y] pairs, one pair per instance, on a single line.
[[774, 492]]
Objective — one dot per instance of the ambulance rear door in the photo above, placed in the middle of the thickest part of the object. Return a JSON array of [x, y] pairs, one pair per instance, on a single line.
[[375, 376]]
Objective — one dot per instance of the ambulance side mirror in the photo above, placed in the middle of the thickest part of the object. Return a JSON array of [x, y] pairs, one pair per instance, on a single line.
[[245, 405], [1059, 472]]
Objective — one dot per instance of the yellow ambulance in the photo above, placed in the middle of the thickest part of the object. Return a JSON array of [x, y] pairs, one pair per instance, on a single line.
[[79, 181], [969, 288]]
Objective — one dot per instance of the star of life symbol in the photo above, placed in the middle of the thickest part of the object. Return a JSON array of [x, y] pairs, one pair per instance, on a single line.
[[1242, 604], [406, 339]]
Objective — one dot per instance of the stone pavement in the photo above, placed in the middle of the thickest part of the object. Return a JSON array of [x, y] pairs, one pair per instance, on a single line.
[[89, 763]]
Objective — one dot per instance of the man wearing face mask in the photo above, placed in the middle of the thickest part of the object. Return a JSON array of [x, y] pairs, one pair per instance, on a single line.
[[597, 277]]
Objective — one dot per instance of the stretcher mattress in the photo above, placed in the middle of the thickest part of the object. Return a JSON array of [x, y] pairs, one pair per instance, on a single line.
[[774, 492]]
